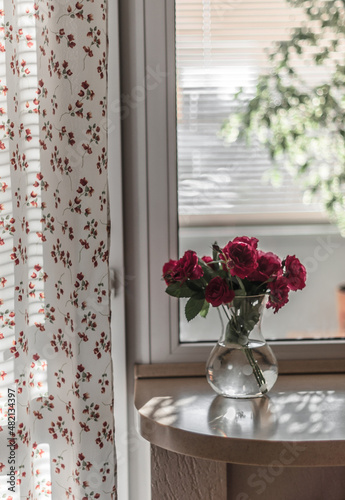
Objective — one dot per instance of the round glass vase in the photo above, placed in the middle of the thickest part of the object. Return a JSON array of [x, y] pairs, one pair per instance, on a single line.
[[242, 364]]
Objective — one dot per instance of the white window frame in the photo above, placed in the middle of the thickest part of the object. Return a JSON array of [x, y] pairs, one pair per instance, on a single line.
[[151, 220]]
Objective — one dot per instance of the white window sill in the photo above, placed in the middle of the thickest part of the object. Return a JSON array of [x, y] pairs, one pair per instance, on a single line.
[[303, 413]]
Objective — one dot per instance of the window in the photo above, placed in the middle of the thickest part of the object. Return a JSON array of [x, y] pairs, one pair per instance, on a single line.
[[148, 112], [222, 48], [151, 157]]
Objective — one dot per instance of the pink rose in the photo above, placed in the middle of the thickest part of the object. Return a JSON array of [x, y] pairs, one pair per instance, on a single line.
[[241, 255], [167, 271], [187, 267], [217, 292], [279, 294], [269, 266], [295, 273]]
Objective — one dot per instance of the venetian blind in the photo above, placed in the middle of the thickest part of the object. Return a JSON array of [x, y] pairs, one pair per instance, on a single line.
[[222, 46]]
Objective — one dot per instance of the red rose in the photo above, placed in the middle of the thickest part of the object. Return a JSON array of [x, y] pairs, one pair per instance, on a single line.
[[167, 270], [187, 267], [249, 241], [217, 292], [269, 265], [241, 256], [279, 294], [295, 273]]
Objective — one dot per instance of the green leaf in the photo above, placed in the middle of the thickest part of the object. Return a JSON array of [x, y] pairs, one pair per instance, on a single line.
[[200, 295], [179, 290], [193, 307], [209, 273], [205, 309], [195, 285]]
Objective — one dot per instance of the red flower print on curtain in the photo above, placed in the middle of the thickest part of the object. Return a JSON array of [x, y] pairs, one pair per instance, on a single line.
[[56, 414]]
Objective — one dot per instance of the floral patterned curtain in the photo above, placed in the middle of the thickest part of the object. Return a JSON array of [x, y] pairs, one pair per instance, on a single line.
[[56, 414]]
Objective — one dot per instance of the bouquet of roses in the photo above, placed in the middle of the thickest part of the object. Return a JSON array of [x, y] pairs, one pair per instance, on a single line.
[[238, 269], [238, 277]]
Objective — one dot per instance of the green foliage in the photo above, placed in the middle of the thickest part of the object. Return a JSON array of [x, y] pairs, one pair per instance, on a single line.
[[246, 315], [195, 291], [208, 271], [195, 306], [179, 291], [205, 308], [303, 125]]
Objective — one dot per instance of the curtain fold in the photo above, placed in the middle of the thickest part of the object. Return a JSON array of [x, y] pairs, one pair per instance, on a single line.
[[55, 341]]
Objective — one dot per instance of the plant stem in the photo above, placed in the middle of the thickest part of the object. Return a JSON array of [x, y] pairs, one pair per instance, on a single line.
[[240, 282], [225, 312], [221, 319], [256, 370]]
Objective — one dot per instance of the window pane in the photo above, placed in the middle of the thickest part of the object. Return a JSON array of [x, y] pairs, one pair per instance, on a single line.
[[310, 313], [222, 48]]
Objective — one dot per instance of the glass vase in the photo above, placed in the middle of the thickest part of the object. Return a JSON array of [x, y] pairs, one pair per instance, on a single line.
[[242, 364]]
